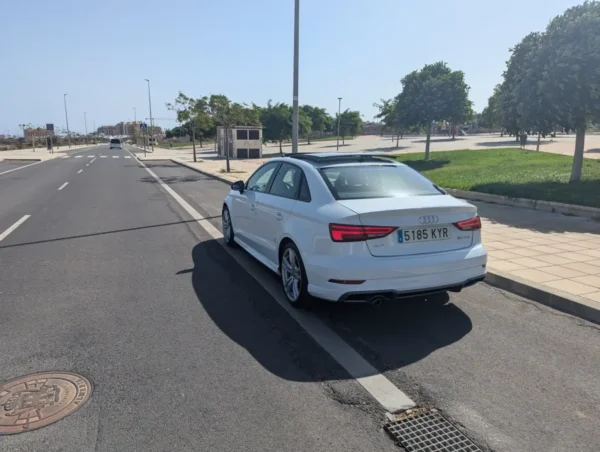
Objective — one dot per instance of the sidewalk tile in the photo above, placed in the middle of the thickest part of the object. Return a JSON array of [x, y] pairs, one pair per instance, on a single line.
[[573, 287], [546, 249], [563, 272], [504, 266], [503, 254], [498, 245], [584, 267], [535, 275], [540, 240], [568, 247], [524, 252], [590, 280], [595, 296], [575, 256], [591, 252], [554, 259], [561, 238], [529, 262], [520, 243]]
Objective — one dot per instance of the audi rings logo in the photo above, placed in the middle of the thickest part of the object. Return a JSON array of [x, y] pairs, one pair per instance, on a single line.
[[428, 219]]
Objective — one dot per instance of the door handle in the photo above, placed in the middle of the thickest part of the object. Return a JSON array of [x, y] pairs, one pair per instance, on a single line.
[[279, 216], [252, 206]]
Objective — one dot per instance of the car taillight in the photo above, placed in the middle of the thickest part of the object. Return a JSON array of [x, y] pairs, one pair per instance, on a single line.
[[472, 224], [351, 233]]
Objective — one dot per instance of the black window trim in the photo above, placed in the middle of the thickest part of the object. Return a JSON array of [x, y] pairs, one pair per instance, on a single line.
[[302, 181], [268, 186], [297, 192]]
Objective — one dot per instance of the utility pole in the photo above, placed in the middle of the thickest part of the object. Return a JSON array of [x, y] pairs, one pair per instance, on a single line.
[[339, 118], [151, 122], [295, 112], [67, 119], [95, 131], [85, 121], [135, 125]]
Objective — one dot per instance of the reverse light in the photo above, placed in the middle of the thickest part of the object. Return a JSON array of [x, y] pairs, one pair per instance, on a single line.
[[352, 233], [472, 224]]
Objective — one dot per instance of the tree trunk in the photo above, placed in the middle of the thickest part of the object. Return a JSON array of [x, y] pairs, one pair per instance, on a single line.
[[309, 138], [200, 138], [538, 142], [401, 134], [427, 142], [453, 131], [578, 156], [398, 139], [194, 143], [281, 146], [343, 140]]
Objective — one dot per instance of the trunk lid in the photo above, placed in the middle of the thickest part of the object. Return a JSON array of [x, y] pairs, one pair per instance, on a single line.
[[425, 223]]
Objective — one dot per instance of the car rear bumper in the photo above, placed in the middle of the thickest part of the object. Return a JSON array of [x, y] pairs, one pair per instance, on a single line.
[[395, 277]]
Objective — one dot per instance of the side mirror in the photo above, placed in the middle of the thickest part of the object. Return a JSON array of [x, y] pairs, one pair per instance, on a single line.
[[238, 186]]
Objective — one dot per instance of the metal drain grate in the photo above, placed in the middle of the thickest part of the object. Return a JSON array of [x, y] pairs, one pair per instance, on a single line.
[[423, 430]]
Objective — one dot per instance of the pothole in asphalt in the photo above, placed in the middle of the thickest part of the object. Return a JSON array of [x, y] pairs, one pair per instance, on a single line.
[[424, 430], [36, 400]]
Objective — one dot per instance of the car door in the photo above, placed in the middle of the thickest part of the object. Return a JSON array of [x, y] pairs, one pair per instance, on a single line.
[[244, 204], [275, 208]]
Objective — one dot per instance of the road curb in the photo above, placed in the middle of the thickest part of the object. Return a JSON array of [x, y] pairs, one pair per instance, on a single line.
[[9, 160], [534, 204], [556, 299], [206, 173], [559, 300]]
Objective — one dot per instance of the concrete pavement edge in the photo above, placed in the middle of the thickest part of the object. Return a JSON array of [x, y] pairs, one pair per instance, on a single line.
[[535, 204], [554, 298]]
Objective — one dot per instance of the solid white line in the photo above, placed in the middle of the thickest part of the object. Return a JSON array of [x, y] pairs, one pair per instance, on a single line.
[[376, 384], [21, 167], [79, 172], [63, 186], [13, 227]]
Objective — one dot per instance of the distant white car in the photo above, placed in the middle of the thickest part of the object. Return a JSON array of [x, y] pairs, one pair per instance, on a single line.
[[354, 227], [115, 143]]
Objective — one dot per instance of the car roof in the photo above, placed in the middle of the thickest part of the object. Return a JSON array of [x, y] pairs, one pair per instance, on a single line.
[[320, 159]]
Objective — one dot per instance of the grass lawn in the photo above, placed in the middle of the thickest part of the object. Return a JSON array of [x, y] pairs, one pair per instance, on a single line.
[[511, 172]]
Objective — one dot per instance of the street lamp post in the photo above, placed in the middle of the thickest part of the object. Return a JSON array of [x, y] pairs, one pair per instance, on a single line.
[[151, 121], [94, 131], [295, 112], [85, 121], [67, 119], [339, 118], [135, 125]]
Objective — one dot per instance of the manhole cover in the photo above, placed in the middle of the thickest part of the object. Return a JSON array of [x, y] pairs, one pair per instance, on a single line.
[[423, 430], [36, 400]]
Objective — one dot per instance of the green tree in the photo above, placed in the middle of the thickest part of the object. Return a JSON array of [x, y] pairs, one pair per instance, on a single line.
[[392, 117], [350, 123], [491, 116], [277, 123], [571, 80], [320, 119], [195, 114], [433, 93]]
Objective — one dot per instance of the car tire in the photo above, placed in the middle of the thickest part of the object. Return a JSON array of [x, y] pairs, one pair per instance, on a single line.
[[293, 277], [228, 234]]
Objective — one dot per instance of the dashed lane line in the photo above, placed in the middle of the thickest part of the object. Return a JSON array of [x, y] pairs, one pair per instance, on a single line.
[[376, 384], [13, 227], [63, 186], [79, 172]]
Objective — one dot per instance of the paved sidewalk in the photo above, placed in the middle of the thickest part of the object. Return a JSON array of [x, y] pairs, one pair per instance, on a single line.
[[554, 253], [39, 153]]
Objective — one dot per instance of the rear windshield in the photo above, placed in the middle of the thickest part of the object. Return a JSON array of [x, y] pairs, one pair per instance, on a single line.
[[376, 181], [115, 141]]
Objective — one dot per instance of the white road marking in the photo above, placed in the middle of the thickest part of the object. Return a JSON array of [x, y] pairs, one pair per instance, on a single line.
[[63, 186], [21, 167], [91, 156], [376, 384], [115, 156], [102, 156], [87, 164], [78, 156], [127, 157], [65, 157], [13, 227], [92, 161], [79, 172]]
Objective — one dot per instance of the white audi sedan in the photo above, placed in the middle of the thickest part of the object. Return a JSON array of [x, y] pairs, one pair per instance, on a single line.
[[354, 227]]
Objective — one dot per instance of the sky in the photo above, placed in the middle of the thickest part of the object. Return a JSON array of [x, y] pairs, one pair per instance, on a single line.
[[99, 53]]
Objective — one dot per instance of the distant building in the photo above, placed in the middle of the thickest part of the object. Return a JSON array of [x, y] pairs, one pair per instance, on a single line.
[[107, 130], [243, 142]]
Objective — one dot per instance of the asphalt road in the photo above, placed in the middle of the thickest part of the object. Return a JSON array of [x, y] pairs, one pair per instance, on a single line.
[[111, 278]]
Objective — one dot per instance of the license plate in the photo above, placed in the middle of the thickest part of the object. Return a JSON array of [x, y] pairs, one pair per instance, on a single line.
[[423, 234]]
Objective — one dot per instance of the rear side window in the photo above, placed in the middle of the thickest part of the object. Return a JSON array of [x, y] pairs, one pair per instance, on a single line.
[[115, 141], [376, 181]]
